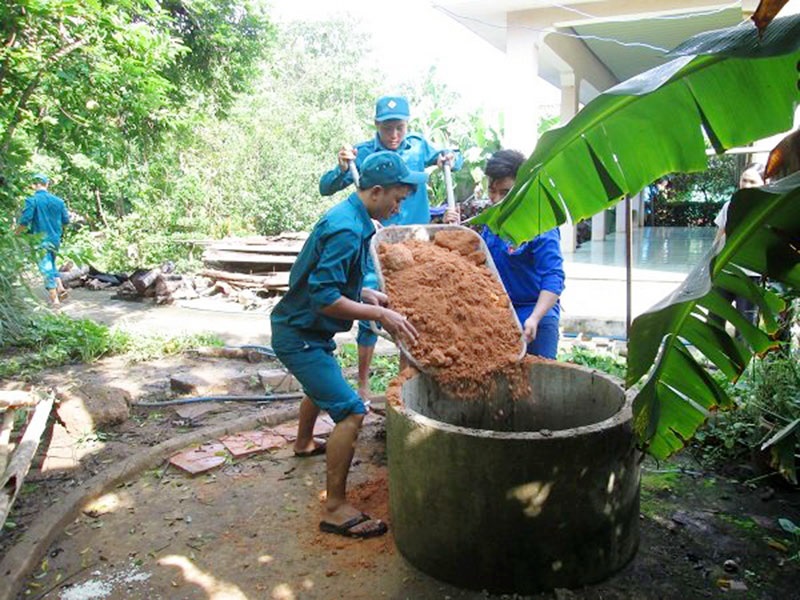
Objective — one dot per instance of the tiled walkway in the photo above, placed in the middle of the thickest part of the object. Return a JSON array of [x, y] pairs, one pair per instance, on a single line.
[[594, 298]]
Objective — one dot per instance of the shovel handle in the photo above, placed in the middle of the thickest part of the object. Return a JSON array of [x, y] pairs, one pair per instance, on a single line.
[[448, 185], [354, 173]]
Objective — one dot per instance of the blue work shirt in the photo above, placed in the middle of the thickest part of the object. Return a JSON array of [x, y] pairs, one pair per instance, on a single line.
[[417, 153], [528, 269], [330, 265], [45, 214]]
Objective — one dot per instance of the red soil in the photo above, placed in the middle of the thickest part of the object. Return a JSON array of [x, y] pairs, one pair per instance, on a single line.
[[467, 329]]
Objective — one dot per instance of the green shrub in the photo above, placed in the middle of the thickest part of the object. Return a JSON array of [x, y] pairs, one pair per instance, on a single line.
[[687, 214], [55, 340], [602, 361], [767, 401]]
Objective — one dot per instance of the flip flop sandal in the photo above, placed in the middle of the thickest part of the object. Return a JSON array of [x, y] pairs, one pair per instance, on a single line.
[[345, 529], [320, 449]]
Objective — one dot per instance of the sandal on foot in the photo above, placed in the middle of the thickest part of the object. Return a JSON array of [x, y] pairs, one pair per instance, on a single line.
[[320, 449], [346, 529]]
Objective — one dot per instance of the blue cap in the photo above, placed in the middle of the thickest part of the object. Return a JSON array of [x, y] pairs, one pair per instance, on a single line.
[[41, 178], [386, 169], [389, 108]]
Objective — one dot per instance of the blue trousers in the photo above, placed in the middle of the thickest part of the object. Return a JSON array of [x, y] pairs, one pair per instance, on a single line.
[[365, 336], [318, 371], [546, 342], [47, 267]]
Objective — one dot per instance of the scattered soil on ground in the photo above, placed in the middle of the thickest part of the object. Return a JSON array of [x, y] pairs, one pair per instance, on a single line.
[[468, 333]]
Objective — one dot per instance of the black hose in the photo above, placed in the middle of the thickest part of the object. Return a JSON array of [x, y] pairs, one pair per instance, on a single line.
[[194, 399]]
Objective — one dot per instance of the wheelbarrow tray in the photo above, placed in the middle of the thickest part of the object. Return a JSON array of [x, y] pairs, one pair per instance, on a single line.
[[395, 234]]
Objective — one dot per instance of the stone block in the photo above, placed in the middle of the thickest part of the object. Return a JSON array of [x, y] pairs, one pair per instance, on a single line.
[[279, 381], [91, 407], [188, 383]]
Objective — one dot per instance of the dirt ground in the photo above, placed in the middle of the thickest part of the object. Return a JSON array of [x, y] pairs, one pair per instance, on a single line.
[[248, 529]]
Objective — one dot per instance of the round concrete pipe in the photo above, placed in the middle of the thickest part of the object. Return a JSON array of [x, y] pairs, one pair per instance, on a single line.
[[516, 496]]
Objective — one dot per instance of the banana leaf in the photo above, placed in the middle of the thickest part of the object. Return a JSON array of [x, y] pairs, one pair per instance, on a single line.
[[671, 344], [728, 84], [781, 447]]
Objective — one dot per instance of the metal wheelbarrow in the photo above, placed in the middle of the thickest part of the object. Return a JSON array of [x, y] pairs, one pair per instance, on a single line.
[[400, 233]]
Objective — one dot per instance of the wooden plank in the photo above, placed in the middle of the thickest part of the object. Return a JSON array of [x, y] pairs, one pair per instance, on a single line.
[[246, 257], [288, 237], [21, 460], [273, 248], [18, 398], [279, 278], [5, 438]]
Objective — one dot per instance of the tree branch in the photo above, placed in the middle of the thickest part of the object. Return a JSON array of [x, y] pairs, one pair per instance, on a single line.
[[16, 118]]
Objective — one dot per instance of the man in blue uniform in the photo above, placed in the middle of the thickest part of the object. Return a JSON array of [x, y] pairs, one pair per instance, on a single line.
[[391, 124], [325, 296], [533, 273], [45, 214]]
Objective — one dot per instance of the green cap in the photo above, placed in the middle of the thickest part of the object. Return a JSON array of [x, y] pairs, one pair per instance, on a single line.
[[386, 169]]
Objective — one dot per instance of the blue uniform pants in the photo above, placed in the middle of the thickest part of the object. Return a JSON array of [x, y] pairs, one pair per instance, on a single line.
[[546, 342], [318, 371], [47, 267], [365, 336]]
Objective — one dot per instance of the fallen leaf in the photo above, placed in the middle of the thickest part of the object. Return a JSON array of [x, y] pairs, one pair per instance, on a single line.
[[776, 545]]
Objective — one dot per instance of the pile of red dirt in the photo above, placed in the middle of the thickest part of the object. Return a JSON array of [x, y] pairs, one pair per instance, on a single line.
[[371, 496], [468, 334]]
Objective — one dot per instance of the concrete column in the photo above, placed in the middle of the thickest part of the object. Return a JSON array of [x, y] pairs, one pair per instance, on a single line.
[[599, 226], [620, 220], [639, 210], [522, 108], [570, 88]]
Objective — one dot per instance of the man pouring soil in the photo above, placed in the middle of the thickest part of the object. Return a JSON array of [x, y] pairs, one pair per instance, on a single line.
[[325, 296], [392, 114]]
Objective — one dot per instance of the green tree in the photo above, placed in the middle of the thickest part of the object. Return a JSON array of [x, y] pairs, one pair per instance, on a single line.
[[91, 91]]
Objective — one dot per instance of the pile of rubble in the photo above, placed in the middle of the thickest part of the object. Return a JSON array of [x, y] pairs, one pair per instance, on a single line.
[[251, 271]]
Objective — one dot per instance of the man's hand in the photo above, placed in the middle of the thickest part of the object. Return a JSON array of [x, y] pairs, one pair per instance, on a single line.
[[398, 326], [445, 157], [530, 327], [346, 154], [452, 217], [370, 296]]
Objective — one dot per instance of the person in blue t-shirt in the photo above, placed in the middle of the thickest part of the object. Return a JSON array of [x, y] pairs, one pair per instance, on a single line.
[[325, 296], [533, 273], [45, 214], [391, 123]]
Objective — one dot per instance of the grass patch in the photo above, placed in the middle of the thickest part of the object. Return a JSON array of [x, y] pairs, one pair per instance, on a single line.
[[602, 361], [383, 369], [56, 340], [656, 491], [744, 523]]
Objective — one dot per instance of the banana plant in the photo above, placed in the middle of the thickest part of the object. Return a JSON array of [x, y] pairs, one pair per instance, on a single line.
[[671, 344], [732, 87], [728, 86]]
